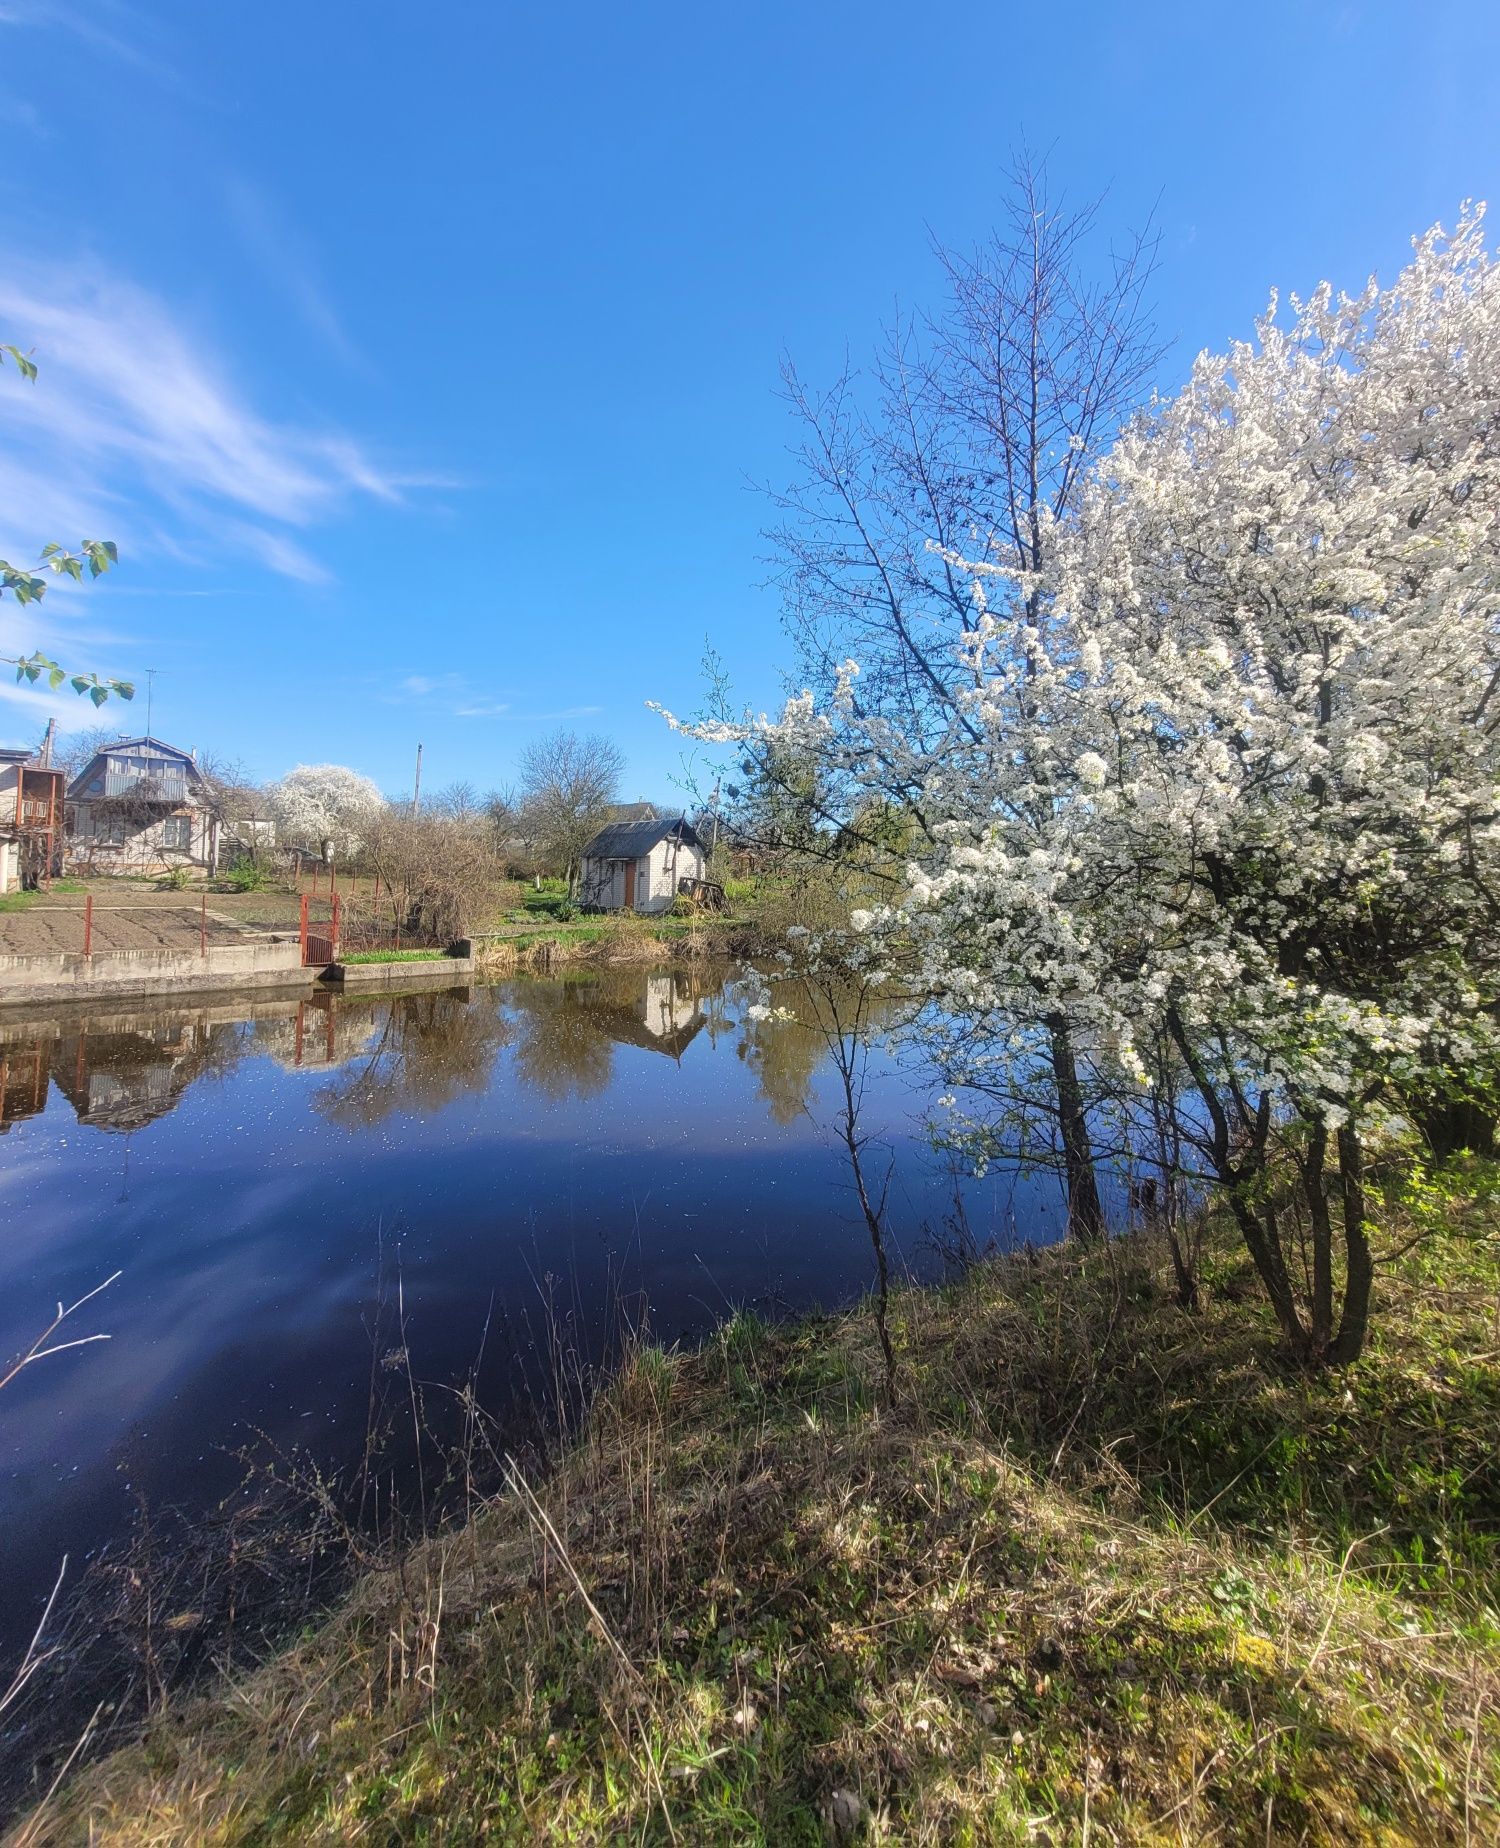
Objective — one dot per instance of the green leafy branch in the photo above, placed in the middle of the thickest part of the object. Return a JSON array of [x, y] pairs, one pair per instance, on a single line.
[[25, 366], [32, 667], [93, 555]]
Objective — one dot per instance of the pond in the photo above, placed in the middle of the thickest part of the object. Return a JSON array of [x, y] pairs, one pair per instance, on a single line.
[[512, 1158]]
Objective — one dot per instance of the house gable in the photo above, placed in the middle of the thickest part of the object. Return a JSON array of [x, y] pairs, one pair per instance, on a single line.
[[129, 766]]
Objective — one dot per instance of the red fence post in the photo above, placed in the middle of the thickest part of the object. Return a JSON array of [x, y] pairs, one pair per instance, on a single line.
[[304, 927], [88, 925], [203, 925], [333, 941]]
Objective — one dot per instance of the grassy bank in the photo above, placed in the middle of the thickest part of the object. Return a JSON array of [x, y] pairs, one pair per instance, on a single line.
[[617, 939], [1107, 1571]]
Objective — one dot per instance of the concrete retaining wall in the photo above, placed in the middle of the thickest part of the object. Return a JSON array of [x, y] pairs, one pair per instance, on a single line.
[[362, 978], [152, 972]]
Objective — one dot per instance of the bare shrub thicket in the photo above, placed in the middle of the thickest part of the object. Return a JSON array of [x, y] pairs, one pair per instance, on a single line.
[[440, 869]]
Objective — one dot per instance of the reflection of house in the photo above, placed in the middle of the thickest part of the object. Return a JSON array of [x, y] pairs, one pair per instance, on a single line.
[[23, 1082], [128, 1079], [30, 819], [635, 865], [141, 806], [665, 1016]]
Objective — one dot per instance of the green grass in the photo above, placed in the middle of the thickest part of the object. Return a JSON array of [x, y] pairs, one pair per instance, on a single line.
[[1105, 1571], [22, 901], [395, 956]]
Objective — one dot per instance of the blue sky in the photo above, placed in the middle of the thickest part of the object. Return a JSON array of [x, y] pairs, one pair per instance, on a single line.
[[421, 359]]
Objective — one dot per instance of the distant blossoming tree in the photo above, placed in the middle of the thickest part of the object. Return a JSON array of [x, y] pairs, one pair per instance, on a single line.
[[326, 806]]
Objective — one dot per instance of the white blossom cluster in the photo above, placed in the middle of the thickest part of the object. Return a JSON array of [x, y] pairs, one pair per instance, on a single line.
[[318, 803], [1231, 762]]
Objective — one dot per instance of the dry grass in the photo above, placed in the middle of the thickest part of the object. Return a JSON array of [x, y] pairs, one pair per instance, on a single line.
[[616, 939], [1106, 1573]]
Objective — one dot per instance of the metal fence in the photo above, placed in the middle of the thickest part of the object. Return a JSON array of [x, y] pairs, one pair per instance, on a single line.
[[347, 924]]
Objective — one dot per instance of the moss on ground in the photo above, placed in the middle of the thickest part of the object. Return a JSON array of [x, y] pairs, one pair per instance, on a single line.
[[1106, 1571]]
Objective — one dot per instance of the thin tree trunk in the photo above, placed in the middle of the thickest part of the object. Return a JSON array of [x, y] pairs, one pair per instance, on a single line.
[[1263, 1242], [1085, 1214], [1262, 1239], [1314, 1179], [1359, 1261]]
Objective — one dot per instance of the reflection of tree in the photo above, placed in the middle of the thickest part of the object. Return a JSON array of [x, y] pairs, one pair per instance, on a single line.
[[563, 1050], [428, 1050], [785, 1053]]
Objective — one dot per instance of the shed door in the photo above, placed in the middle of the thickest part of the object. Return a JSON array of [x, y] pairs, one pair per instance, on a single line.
[[630, 885]]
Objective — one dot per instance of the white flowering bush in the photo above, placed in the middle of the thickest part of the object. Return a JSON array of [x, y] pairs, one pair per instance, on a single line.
[[1224, 777], [327, 807]]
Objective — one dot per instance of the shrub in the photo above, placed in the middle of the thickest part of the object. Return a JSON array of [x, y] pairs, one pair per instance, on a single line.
[[175, 879], [246, 877]]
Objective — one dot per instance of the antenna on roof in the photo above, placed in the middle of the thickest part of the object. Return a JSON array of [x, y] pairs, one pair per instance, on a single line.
[[151, 673]]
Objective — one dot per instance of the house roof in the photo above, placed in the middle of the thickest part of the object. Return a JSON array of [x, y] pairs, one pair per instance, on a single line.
[[630, 840], [133, 744], [118, 745], [630, 811]]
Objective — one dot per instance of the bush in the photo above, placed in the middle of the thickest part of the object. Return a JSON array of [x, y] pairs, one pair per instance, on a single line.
[[175, 879], [246, 877]]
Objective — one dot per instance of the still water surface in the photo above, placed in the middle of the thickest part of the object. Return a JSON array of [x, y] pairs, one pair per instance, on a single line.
[[253, 1169]]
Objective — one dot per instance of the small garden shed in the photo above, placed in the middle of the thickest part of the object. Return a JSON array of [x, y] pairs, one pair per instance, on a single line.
[[636, 865]]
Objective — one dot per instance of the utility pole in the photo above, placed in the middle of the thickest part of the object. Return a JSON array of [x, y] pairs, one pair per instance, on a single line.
[[47, 739], [416, 788]]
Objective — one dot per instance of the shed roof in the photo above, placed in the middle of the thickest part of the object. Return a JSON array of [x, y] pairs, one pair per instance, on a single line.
[[631, 840]]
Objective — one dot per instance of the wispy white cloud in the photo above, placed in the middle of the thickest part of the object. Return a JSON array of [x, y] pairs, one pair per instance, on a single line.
[[454, 696], [112, 28], [283, 255], [135, 431], [25, 115], [487, 709]]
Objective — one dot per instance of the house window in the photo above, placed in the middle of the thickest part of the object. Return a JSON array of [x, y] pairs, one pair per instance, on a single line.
[[177, 832]]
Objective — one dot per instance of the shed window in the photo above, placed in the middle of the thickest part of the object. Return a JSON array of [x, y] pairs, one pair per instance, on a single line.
[[177, 832]]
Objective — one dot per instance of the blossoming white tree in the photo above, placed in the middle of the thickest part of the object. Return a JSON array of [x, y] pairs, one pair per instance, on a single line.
[[1226, 774], [325, 805]]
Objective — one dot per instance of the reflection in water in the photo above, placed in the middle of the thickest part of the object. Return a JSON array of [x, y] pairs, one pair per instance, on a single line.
[[620, 1132], [415, 1053]]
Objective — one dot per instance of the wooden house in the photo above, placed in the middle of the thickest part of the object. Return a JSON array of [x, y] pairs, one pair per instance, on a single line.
[[31, 820], [142, 807], [637, 865]]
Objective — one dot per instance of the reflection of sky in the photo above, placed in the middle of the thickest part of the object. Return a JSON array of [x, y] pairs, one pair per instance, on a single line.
[[248, 1223]]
